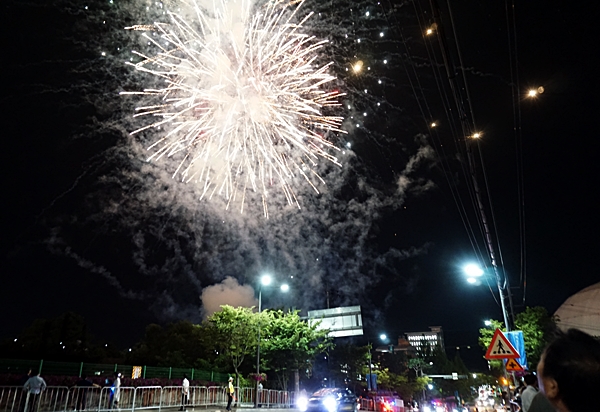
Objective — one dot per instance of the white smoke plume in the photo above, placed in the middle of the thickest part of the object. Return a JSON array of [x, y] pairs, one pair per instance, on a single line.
[[228, 292]]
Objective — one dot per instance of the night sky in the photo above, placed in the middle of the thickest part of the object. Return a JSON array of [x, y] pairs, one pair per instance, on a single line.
[[89, 226]]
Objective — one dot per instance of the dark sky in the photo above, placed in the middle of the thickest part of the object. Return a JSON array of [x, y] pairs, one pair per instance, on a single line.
[[81, 231]]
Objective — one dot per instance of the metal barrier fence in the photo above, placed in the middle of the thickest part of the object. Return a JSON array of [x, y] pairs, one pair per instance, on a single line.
[[63, 399]]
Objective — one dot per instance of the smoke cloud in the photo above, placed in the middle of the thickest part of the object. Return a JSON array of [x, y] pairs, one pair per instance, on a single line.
[[228, 292]]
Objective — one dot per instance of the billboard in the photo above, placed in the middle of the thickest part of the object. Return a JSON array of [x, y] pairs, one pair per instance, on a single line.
[[343, 321]]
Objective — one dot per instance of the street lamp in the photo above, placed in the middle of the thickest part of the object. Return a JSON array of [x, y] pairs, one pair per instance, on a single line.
[[383, 338], [487, 322], [474, 272], [265, 280]]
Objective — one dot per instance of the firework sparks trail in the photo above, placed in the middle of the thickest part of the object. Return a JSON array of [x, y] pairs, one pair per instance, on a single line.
[[242, 102]]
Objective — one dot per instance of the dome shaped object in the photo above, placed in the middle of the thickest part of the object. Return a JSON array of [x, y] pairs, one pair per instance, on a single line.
[[581, 311]]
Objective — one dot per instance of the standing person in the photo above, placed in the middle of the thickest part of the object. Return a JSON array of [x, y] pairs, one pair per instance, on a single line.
[[260, 388], [185, 392], [23, 397], [529, 392], [230, 393], [34, 386], [84, 383], [115, 392], [541, 404], [569, 372]]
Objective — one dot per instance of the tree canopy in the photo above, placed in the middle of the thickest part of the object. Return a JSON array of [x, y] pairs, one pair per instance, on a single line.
[[289, 343], [537, 326]]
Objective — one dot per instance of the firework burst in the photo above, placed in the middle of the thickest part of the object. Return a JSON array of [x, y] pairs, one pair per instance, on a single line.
[[241, 99]]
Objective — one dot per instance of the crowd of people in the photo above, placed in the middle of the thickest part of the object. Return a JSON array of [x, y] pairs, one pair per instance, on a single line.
[[568, 375]]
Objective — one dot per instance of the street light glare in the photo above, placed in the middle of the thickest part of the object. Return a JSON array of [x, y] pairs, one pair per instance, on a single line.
[[265, 280], [383, 336], [473, 270], [532, 93], [488, 323], [471, 280], [285, 287]]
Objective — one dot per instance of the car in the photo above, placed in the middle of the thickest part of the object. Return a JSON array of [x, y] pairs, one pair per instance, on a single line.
[[329, 400]]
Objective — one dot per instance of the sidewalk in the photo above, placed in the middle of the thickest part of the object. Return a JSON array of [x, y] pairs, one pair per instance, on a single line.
[[242, 408]]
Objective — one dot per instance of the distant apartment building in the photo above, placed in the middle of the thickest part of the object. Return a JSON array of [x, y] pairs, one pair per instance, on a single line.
[[432, 339]]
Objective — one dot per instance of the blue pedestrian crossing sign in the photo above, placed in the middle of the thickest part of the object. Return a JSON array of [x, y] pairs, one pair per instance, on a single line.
[[501, 348]]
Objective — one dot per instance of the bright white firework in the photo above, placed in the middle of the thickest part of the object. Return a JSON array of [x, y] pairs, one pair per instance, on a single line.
[[242, 101]]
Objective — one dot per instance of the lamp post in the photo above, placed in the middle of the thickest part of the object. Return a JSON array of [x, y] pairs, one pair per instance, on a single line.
[[474, 272], [265, 280], [383, 338]]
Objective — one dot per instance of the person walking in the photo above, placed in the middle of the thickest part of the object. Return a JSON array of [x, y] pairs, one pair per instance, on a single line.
[[34, 386], [115, 392], [230, 393], [185, 392]]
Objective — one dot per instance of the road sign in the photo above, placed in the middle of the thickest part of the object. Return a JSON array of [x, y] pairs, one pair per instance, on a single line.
[[501, 348], [513, 366]]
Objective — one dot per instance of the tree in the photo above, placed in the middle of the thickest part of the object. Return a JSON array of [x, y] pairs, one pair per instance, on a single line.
[[237, 333], [537, 326], [289, 343], [63, 338], [347, 361], [180, 344]]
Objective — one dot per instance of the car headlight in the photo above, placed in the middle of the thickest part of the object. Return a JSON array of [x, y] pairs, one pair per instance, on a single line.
[[330, 404], [302, 403], [426, 408]]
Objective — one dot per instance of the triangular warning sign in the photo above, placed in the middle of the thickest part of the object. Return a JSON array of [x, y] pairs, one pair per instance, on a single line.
[[500, 348], [513, 366]]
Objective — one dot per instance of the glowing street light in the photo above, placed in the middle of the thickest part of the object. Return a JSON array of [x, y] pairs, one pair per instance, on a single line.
[[474, 272], [476, 135], [534, 92], [265, 280], [434, 124], [487, 322], [429, 32], [383, 337]]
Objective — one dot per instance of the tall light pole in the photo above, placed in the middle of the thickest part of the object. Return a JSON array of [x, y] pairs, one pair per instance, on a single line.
[[265, 280], [383, 338]]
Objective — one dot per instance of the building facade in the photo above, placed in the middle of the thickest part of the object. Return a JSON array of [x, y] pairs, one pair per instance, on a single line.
[[434, 338]]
